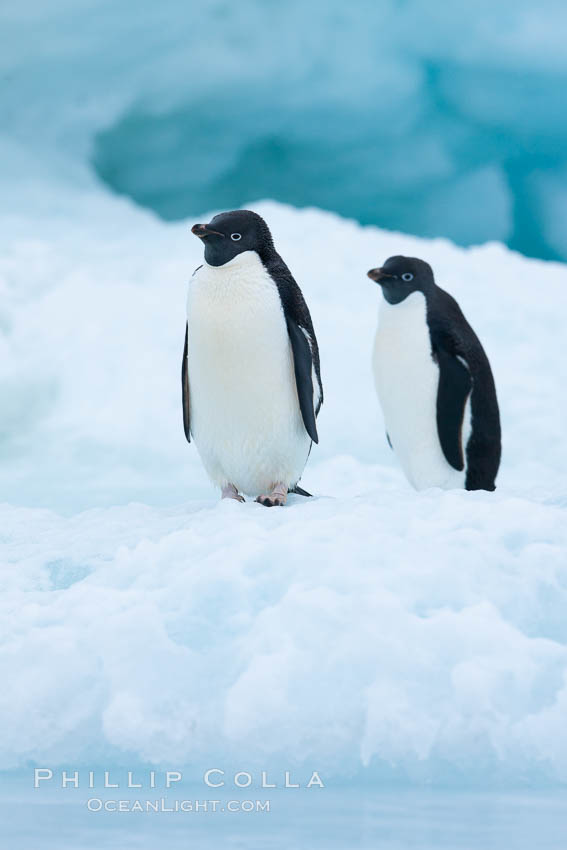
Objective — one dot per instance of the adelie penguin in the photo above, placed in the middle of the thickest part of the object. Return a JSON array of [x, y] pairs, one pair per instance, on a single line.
[[251, 376], [434, 382]]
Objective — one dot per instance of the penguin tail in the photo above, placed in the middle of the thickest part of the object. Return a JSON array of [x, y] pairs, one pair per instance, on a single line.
[[299, 491]]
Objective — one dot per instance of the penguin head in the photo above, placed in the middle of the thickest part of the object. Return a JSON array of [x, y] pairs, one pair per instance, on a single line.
[[231, 233], [400, 276]]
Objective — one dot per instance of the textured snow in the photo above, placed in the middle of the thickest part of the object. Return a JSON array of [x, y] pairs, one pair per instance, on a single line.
[[370, 630]]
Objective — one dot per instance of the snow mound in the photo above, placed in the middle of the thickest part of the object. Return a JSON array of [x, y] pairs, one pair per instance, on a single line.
[[371, 629]]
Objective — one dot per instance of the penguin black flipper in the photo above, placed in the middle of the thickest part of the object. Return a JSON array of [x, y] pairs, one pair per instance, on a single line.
[[303, 364], [185, 379], [453, 390], [185, 388], [303, 342]]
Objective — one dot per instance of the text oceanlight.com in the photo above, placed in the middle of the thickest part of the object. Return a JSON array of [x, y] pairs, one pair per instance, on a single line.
[[96, 804]]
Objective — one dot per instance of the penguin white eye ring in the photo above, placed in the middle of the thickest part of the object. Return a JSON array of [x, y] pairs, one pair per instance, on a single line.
[[407, 276], [235, 236]]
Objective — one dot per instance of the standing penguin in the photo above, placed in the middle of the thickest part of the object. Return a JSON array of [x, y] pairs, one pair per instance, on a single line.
[[434, 382], [251, 376]]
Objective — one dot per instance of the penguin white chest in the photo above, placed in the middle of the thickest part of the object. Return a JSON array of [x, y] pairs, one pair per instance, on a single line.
[[245, 415], [407, 380]]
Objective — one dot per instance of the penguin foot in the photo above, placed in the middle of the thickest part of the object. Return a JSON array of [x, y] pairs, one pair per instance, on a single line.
[[277, 497], [230, 492]]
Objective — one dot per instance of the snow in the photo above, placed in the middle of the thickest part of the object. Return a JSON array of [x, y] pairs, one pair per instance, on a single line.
[[370, 631]]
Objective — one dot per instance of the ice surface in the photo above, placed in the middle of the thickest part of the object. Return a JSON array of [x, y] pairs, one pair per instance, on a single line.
[[371, 631], [333, 818], [424, 117]]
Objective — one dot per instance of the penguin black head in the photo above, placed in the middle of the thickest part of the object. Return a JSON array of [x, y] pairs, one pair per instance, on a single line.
[[232, 233], [400, 276]]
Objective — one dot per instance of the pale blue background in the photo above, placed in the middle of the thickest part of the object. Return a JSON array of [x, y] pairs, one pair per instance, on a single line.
[[440, 119]]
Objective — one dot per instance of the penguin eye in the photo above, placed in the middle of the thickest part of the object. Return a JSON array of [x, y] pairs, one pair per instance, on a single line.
[[235, 236], [407, 276]]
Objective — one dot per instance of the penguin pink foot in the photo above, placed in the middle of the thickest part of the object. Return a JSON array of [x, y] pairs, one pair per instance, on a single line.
[[278, 497], [230, 492]]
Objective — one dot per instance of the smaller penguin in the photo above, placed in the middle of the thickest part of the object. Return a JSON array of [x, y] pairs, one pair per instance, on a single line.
[[434, 382]]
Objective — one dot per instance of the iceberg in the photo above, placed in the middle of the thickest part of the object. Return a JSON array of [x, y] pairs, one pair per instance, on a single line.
[[380, 111], [384, 633]]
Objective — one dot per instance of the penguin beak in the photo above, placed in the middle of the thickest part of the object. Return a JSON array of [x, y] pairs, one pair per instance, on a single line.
[[379, 275], [203, 230]]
